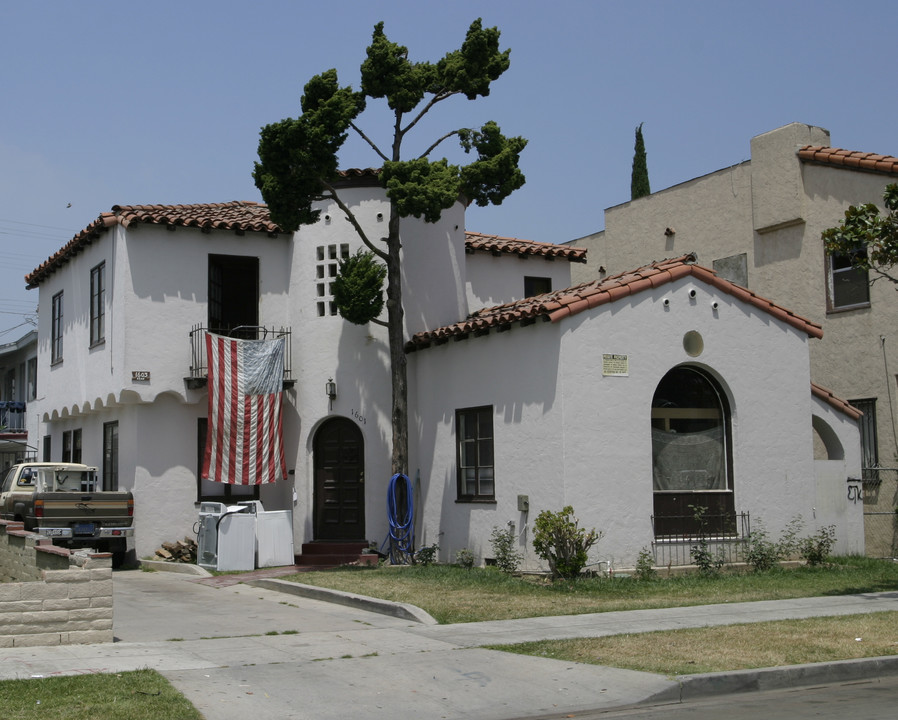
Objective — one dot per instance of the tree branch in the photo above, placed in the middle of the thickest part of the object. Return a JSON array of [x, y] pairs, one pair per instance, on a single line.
[[369, 141], [332, 194], [382, 323], [438, 96], [433, 147]]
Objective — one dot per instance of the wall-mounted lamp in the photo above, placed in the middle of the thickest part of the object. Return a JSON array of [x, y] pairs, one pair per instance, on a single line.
[[670, 232], [330, 389], [715, 305], [666, 302], [692, 293]]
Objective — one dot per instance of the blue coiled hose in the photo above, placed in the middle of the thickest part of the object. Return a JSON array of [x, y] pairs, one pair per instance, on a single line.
[[402, 529]]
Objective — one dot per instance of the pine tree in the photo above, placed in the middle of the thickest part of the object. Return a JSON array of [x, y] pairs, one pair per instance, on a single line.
[[639, 179]]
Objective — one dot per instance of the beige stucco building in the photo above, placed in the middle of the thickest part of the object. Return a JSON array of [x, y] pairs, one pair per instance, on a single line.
[[759, 224]]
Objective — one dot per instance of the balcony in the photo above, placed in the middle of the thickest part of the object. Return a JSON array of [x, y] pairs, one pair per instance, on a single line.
[[12, 417], [199, 367]]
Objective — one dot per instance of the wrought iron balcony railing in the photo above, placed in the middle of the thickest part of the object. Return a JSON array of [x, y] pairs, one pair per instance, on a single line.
[[199, 366]]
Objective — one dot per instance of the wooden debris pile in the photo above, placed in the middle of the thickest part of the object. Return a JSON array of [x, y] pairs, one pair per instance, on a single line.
[[182, 551]]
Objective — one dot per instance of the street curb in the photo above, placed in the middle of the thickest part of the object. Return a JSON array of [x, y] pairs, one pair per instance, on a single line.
[[183, 568], [692, 687], [403, 611]]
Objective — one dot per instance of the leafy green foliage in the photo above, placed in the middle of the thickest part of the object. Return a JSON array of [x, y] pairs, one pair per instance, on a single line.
[[815, 550], [505, 553], [709, 563], [427, 555], [639, 178], [645, 565], [867, 238], [465, 558], [494, 175], [358, 287], [559, 540]]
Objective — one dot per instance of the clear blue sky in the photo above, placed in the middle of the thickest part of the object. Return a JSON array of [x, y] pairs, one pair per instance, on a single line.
[[107, 103]]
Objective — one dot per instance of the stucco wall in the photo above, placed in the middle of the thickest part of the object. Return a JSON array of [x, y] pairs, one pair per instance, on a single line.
[[495, 280], [564, 434]]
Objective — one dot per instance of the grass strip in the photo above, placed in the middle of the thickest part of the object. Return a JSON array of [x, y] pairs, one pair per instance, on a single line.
[[137, 695], [731, 647], [454, 595]]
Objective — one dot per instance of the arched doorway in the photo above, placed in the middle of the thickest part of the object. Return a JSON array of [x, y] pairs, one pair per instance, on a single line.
[[691, 454], [339, 492]]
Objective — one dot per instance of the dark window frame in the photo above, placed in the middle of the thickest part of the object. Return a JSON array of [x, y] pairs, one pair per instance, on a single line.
[[475, 444], [674, 510], [840, 274], [536, 285], [110, 455], [56, 328], [869, 438], [98, 304]]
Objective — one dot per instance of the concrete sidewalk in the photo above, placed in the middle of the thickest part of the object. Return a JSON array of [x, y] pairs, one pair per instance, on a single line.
[[267, 650]]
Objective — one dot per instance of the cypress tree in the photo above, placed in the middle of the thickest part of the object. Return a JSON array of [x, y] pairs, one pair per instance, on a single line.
[[639, 179]]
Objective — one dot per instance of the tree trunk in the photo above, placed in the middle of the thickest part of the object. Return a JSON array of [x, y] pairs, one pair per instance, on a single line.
[[398, 360]]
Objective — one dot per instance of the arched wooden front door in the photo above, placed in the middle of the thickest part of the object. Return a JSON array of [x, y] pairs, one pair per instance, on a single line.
[[339, 481]]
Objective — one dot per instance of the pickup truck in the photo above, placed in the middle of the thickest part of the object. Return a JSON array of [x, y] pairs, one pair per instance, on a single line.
[[62, 501]]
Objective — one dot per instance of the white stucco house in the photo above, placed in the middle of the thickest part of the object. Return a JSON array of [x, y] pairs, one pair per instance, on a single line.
[[629, 398]]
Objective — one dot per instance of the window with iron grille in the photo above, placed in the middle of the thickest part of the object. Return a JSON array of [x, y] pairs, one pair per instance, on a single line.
[[869, 442], [474, 448]]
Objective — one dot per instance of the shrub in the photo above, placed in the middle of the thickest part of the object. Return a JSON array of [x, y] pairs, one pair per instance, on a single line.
[[503, 543], [709, 564], [645, 565], [558, 539], [762, 552], [465, 558], [427, 555], [815, 550]]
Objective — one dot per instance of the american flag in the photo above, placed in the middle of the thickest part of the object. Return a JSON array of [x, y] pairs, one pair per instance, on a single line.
[[244, 444]]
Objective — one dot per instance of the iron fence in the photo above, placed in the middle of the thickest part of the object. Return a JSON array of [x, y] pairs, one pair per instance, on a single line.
[[726, 535], [199, 366]]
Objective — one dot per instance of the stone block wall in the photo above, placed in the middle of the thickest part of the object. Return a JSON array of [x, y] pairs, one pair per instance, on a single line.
[[50, 595]]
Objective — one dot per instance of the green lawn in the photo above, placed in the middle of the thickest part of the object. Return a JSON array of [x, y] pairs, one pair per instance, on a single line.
[[139, 695], [452, 595]]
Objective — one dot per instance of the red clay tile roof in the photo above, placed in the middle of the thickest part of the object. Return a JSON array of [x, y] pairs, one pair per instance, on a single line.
[[848, 159], [837, 402], [497, 245], [559, 304], [238, 216]]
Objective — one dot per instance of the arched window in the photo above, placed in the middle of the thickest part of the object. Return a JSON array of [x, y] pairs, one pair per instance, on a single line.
[[691, 452]]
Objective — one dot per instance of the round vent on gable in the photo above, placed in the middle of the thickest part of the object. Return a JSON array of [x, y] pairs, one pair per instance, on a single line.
[[693, 343]]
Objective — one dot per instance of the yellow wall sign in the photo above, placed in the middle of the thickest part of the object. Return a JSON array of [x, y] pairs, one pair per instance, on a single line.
[[615, 365]]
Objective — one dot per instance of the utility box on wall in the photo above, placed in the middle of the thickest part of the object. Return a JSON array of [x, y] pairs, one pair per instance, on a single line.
[[524, 503]]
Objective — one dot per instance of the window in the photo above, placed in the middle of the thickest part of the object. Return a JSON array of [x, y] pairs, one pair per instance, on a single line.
[[98, 304], [234, 295], [869, 443], [691, 455], [67, 446], [110, 456], [32, 378], [536, 285], [474, 454], [47, 445], [848, 287], [56, 329], [76, 445], [327, 264], [208, 491]]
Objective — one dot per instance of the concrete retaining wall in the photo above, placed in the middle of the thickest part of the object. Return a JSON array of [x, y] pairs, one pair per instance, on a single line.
[[50, 595]]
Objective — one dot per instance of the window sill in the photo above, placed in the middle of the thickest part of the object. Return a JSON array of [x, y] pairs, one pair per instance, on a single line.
[[847, 308], [475, 501], [98, 343]]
